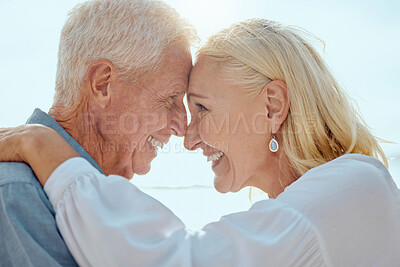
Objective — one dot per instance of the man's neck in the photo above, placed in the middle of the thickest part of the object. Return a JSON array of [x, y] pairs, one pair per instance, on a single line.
[[77, 122]]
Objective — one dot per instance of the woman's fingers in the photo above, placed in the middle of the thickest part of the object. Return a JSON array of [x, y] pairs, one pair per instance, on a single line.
[[39, 146], [10, 140]]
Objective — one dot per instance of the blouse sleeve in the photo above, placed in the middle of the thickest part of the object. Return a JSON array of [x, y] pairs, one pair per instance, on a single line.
[[107, 221]]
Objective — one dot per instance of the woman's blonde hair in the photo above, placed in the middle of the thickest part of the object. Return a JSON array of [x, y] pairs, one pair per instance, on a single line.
[[322, 124], [132, 34]]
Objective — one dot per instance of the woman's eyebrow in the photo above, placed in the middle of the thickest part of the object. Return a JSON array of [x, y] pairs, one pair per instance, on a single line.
[[195, 95]]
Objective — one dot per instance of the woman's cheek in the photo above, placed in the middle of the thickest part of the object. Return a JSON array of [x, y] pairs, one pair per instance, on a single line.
[[213, 133], [204, 130]]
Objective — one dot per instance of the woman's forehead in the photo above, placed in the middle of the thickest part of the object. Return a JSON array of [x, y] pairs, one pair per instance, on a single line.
[[207, 63], [204, 76], [208, 82]]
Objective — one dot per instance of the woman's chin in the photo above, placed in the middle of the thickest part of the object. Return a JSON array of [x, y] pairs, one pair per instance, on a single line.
[[221, 185]]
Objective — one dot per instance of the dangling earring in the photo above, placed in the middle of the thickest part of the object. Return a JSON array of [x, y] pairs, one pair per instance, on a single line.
[[273, 144]]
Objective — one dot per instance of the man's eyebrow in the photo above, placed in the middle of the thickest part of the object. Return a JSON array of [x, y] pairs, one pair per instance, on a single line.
[[180, 87], [195, 95], [181, 92], [178, 91]]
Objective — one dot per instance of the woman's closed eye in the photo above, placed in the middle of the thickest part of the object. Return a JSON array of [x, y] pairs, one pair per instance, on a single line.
[[201, 107]]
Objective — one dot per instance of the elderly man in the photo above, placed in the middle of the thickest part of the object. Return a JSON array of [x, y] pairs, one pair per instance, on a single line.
[[122, 73]]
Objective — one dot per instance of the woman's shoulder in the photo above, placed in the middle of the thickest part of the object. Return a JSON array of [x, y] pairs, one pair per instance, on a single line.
[[349, 174], [348, 185], [345, 191], [350, 166], [346, 200]]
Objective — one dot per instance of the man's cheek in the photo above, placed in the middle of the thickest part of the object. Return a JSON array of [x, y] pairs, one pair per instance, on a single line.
[[129, 123], [154, 121]]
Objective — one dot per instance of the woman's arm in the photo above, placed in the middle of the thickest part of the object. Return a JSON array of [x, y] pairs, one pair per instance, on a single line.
[[107, 221], [39, 146]]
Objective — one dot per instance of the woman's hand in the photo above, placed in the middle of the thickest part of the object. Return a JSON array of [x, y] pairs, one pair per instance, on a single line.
[[11, 141], [39, 146]]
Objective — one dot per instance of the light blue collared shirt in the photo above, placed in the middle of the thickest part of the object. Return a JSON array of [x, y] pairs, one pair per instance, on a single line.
[[28, 230]]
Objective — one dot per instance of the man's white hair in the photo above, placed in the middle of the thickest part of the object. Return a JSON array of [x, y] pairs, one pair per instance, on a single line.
[[132, 34]]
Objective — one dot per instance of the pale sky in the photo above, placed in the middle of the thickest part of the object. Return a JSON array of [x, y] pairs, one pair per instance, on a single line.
[[362, 48]]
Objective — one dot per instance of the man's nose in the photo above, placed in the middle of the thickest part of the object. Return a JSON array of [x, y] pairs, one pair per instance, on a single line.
[[178, 122], [192, 137]]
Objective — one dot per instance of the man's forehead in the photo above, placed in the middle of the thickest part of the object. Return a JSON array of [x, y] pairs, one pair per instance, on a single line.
[[176, 86], [173, 76]]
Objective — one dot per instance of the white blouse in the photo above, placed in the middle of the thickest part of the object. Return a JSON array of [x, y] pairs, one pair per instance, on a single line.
[[343, 213]]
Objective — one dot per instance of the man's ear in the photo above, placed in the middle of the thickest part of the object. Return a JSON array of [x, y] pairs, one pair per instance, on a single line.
[[277, 101], [100, 76]]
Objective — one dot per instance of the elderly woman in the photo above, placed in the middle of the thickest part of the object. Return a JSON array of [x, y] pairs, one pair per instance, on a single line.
[[269, 114]]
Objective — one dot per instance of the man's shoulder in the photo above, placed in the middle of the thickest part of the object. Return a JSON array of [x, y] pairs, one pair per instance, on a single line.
[[29, 235], [16, 172]]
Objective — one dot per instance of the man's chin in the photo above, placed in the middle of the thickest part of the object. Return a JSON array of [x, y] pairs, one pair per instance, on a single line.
[[144, 170], [127, 174]]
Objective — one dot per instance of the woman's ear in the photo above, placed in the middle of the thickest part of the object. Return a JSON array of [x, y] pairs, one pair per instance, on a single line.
[[100, 76], [277, 101]]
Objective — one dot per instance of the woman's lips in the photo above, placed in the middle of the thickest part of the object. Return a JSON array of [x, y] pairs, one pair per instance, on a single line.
[[217, 162], [215, 157]]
